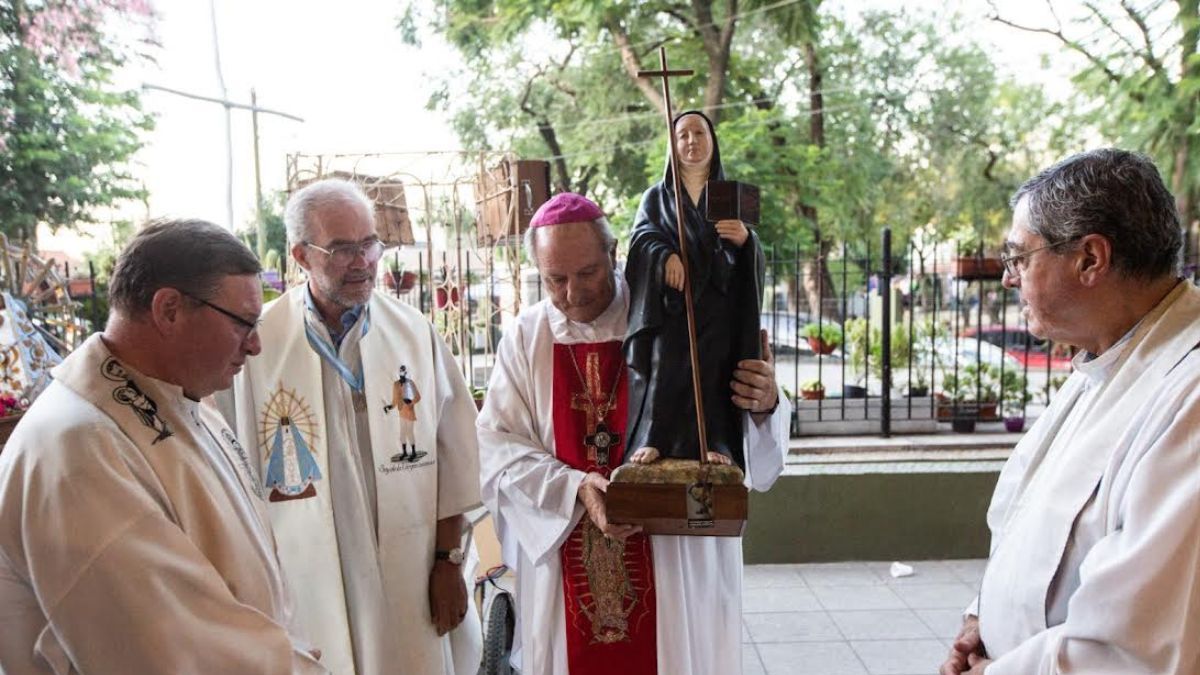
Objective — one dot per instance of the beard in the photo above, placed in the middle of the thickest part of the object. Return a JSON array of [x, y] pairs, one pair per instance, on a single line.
[[346, 292]]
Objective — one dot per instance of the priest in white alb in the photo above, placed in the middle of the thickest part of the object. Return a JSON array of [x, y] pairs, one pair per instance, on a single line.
[[361, 427], [595, 597], [133, 535], [1095, 520]]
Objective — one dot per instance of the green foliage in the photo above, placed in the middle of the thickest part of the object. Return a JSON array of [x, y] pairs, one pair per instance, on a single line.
[[272, 215], [919, 131], [66, 136], [829, 333], [973, 383], [812, 385]]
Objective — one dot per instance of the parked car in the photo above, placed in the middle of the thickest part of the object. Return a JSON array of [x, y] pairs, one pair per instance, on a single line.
[[1021, 345]]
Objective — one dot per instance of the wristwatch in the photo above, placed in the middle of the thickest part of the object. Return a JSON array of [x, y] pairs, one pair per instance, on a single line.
[[454, 556]]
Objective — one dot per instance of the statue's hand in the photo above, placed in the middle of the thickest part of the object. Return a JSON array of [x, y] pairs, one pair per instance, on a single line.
[[673, 272], [646, 455], [733, 231]]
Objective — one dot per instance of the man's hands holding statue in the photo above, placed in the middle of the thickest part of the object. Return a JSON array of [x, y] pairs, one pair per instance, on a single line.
[[754, 390], [591, 495]]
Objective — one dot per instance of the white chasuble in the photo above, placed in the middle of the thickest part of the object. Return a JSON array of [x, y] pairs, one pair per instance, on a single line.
[[361, 583], [1095, 565], [133, 538], [532, 497]]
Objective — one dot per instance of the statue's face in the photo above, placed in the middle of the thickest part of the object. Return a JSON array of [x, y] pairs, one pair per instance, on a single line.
[[693, 143], [576, 271]]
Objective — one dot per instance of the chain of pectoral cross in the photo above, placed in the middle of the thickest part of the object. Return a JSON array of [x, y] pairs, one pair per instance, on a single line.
[[597, 436]]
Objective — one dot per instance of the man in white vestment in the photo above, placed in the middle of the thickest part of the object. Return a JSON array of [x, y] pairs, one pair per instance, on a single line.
[[366, 498], [134, 537], [592, 596], [1095, 520]]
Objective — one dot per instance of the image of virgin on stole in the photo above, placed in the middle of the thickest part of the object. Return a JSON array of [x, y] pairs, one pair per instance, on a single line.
[[291, 468], [726, 266]]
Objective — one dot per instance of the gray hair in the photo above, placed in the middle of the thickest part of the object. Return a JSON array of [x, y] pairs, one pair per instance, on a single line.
[[608, 240], [192, 256], [297, 215], [1114, 193]]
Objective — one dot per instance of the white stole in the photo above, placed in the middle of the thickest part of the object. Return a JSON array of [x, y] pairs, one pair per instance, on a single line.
[[286, 378]]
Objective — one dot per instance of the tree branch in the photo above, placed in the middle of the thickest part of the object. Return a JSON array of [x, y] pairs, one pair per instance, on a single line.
[[1147, 54], [629, 60], [548, 134], [1111, 75]]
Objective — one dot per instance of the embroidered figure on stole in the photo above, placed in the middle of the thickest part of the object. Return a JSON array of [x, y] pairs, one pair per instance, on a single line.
[[287, 431]]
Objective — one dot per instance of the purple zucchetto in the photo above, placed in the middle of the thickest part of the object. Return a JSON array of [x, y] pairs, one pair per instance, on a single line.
[[566, 207]]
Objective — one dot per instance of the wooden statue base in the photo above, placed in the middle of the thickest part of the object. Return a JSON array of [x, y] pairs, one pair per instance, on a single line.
[[669, 497]]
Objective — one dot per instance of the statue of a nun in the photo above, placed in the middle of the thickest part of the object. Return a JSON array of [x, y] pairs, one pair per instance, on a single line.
[[726, 266]]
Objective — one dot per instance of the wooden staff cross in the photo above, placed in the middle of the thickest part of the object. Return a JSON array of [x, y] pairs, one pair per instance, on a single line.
[[666, 74]]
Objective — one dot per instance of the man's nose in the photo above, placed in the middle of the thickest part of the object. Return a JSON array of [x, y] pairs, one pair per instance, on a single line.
[[1010, 280], [253, 343]]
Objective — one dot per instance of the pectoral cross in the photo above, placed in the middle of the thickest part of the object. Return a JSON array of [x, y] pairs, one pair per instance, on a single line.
[[598, 438]]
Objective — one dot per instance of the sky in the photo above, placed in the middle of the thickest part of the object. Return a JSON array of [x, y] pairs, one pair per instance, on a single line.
[[343, 68]]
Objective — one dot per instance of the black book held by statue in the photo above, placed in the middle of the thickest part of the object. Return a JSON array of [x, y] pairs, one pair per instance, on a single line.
[[731, 200]]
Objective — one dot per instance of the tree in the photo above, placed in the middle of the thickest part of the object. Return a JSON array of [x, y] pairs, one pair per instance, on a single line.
[[846, 123], [1141, 70], [65, 129]]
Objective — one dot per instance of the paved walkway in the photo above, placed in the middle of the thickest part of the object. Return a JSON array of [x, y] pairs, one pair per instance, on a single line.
[[853, 618]]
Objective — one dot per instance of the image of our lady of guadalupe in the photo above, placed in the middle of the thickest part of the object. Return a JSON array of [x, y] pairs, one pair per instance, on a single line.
[[291, 467]]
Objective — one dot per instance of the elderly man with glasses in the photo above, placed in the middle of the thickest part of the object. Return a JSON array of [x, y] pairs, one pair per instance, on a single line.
[[366, 492], [1095, 520], [133, 536]]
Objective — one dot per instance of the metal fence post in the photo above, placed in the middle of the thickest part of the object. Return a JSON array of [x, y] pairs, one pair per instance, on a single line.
[[885, 334]]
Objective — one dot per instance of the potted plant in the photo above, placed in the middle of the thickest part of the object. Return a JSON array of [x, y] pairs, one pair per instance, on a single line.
[[11, 410], [1015, 396], [823, 337], [478, 394], [812, 390], [969, 395]]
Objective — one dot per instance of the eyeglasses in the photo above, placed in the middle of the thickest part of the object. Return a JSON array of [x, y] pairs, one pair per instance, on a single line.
[[250, 326], [1011, 262], [343, 254]]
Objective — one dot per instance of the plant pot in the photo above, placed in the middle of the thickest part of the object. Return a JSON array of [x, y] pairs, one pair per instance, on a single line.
[[987, 411], [974, 268], [963, 424], [479, 403], [812, 394], [853, 391], [918, 392], [7, 424], [820, 346], [1014, 424]]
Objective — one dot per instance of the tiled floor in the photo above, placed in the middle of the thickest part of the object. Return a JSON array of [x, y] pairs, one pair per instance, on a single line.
[[853, 617]]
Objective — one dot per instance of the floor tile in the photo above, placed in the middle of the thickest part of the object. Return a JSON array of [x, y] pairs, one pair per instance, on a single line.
[[900, 657], [790, 599], [945, 623], [792, 627], [969, 571], [751, 663], [811, 658], [772, 576], [936, 596], [840, 574], [924, 572], [881, 624], [835, 598]]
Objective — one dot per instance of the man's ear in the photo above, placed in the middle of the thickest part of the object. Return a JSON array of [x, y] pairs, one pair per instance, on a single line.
[[300, 255], [1095, 259], [166, 309]]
